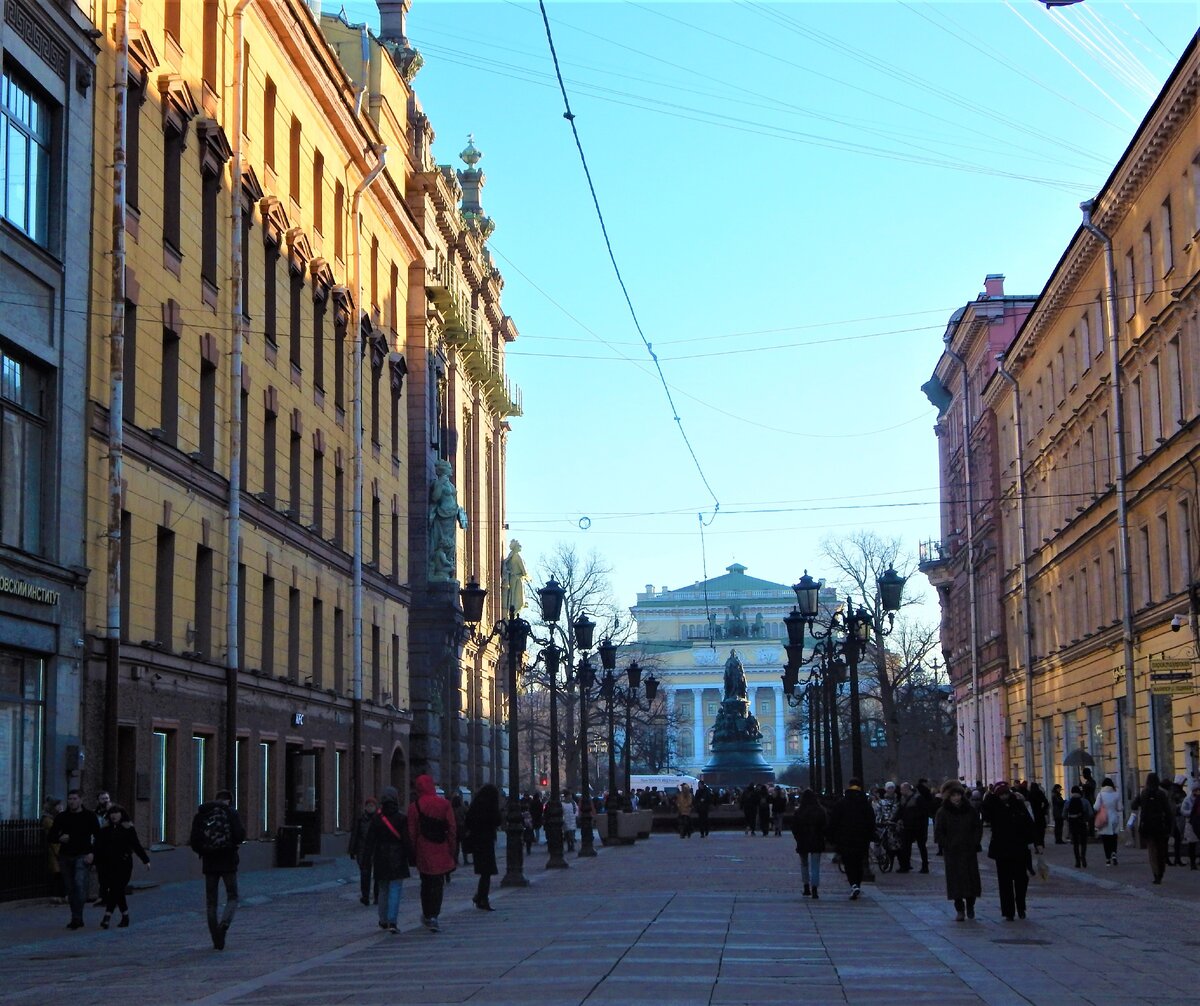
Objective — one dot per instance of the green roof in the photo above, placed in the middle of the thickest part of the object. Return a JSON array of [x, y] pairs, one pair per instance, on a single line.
[[733, 583]]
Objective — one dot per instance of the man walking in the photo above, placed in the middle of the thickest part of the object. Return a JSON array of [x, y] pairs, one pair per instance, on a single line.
[[359, 853], [217, 832], [1012, 834], [703, 802], [75, 832], [1155, 817], [103, 802], [851, 825]]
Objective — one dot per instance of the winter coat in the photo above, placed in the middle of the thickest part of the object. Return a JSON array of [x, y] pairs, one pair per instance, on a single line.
[[358, 838], [1079, 815], [913, 818], [1110, 800], [221, 860], [570, 816], [683, 802], [809, 824], [1150, 825], [1191, 819], [703, 800], [74, 831], [958, 832], [481, 829], [432, 858], [852, 822], [1057, 804], [388, 849], [1012, 828]]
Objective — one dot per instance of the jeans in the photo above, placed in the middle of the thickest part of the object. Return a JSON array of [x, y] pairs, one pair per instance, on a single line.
[[75, 877], [810, 868], [389, 900], [364, 880], [433, 886], [211, 882]]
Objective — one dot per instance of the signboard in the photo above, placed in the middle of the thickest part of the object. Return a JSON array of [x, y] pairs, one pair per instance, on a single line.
[[1172, 676]]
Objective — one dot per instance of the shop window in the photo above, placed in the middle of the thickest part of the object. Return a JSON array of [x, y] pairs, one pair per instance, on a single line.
[[25, 143], [160, 791], [22, 715], [339, 759], [24, 408], [265, 775], [199, 769]]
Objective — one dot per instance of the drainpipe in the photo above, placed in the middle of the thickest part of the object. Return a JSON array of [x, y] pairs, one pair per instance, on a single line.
[[1129, 727], [116, 404], [233, 656], [971, 591], [366, 69], [1023, 544], [380, 151]]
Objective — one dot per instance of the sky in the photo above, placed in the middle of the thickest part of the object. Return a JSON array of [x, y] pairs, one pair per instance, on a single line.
[[798, 196]]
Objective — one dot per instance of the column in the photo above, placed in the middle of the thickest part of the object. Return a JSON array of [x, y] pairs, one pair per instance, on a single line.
[[698, 724], [668, 754], [781, 754]]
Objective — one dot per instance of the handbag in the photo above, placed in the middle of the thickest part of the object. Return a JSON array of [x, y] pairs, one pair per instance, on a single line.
[[1101, 819]]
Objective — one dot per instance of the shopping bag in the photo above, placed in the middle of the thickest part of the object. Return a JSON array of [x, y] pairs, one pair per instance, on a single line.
[[1101, 819], [1042, 868]]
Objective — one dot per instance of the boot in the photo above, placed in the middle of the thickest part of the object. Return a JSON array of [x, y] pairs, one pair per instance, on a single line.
[[807, 890], [815, 896], [105, 921], [124, 923], [960, 915]]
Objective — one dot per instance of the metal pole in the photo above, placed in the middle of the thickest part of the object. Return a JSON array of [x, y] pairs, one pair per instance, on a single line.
[[514, 851], [835, 740], [814, 730], [852, 652], [610, 801], [630, 701], [587, 846], [554, 812]]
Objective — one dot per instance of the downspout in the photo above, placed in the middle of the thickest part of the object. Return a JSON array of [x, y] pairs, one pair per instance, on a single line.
[[366, 69], [1023, 565], [116, 403], [233, 656], [971, 590], [356, 574], [1118, 407]]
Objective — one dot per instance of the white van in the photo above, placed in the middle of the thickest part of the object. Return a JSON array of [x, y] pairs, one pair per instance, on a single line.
[[668, 784]]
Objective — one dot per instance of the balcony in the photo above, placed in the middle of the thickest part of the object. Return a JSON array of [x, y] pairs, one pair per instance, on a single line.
[[934, 561]]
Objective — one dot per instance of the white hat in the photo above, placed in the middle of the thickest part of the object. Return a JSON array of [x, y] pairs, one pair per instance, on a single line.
[[890, 785]]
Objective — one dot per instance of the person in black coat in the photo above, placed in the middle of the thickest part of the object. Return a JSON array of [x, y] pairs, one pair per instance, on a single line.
[[482, 822], [912, 814], [851, 826], [764, 811], [809, 823], [388, 849], [958, 831], [703, 802], [749, 805], [116, 845], [358, 842], [1012, 833], [1058, 811]]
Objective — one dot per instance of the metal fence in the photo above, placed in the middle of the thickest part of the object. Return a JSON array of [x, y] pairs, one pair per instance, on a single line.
[[24, 864]]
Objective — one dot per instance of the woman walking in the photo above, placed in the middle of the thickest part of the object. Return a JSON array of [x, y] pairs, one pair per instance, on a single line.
[[1079, 822], [1109, 818], [683, 808], [432, 831], [1012, 832], [482, 823], [387, 848], [1191, 823], [809, 824], [958, 831], [116, 845]]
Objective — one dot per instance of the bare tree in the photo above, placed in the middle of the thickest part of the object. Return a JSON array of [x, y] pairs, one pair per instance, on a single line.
[[860, 559]]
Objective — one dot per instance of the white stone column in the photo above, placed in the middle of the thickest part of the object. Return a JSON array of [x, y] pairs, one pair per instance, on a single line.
[[698, 724], [670, 754], [781, 754]]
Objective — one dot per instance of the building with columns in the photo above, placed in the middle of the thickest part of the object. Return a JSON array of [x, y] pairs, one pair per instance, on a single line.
[[687, 634]]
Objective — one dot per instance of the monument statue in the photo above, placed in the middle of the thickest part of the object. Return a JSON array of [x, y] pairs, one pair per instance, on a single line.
[[735, 677], [513, 575], [444, 515], [737, 757]]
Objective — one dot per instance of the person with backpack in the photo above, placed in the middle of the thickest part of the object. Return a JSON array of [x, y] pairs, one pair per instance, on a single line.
[[358, 839], [1078, 813], [1155, 819], [217, 832], [683, 811], [116, 845], [387, 847], [433, 834]]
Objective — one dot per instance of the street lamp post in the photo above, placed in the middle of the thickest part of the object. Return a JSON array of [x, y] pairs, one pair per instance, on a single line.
[[514, 630], [586, 676], [847, 635]]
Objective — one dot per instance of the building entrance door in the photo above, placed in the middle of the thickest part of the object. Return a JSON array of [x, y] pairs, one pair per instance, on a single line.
[[303, 789]]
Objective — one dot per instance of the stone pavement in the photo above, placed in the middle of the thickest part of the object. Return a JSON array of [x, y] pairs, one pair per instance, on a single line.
[[666, 921]]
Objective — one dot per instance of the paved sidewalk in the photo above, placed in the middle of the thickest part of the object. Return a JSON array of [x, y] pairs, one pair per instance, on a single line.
[[665, 921]]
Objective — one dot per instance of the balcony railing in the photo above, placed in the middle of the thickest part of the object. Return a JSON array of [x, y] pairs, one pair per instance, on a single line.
[[930, 553]]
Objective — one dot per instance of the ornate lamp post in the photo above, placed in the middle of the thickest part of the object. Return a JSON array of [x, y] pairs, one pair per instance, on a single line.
[[847, 635], [586, 676], [514, 630]]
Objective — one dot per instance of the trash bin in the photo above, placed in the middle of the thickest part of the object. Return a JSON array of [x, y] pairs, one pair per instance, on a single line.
[[287, 845]]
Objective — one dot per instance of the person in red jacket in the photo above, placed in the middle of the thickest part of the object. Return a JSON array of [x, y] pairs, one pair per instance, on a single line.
[[434, 835]]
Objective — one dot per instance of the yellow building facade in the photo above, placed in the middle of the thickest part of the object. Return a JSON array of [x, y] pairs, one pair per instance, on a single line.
[[1102, 488], [315, 123]]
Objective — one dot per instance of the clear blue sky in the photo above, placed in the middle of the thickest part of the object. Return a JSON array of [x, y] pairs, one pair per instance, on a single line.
[[798, 196]]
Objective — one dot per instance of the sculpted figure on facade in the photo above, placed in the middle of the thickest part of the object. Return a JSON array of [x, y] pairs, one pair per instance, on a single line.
[[445, 515], [513, 575], [735, 677]]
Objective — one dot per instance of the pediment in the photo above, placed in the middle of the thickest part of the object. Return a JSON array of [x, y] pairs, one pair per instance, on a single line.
[[179, 105], [142, 56], [274, 218], [299, 249], [251, 187]]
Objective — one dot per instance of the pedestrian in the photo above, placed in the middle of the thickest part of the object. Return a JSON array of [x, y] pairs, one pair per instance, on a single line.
[[1079, 822], [74, 831], [103, 802], [779, 803], [482, 822], [1155, 818], [1040, 807], [50, 810], [703, 802], [851, 826], [537, 811], [215, 836], [958, 831], [1191, 824], [809, 824], [387, 847], [683, 811], [460, 821], [358, 852], [928, 807], [116, 845], [748, 802], [1110, 817], [570, 812], [1087, 785], [433, 834], [1012, 833], [528, 836], [914, 824], [1177, 795], [1057, 805], [764, 811]]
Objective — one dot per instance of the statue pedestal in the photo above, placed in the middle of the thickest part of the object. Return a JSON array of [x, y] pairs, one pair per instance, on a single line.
[[737, 758]]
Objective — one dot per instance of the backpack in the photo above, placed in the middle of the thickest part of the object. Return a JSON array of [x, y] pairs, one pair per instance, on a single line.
[[216, 829], [432, 829], [1154, 817], [1075, 809]]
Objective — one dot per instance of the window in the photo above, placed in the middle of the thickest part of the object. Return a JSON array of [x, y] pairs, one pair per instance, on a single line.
[[395, 570], [244, 433], [271, 295], [126, 573], [247, 221], [1146, 581], [1130, 285], [374, 272], [394, 693], [320, 309], [168, 420], [208, 411], [174, 19], [376, 660], [210, 190], [241, 615], [134, 96], [375, 528], [199, 769], [24, 408], [338, 769], [264, 786], [129, 363], [318, 642], [25, 136], [394, 297], [209, 44], [295, 471], [164, 588], [202, 643], [294, 160], [318, 194], [1147, 260], [339, 212], [293, 655], [268, 625], [160, 765], [172, 180], [376, 391], [270, 438], [270, 99], [1168, 250], [318, 489], [245, 109], [296, 317], [339, 505], [1085, 337], [1196, 194], [339, 364], [1164, 550], [339, 651], [22, 723]]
